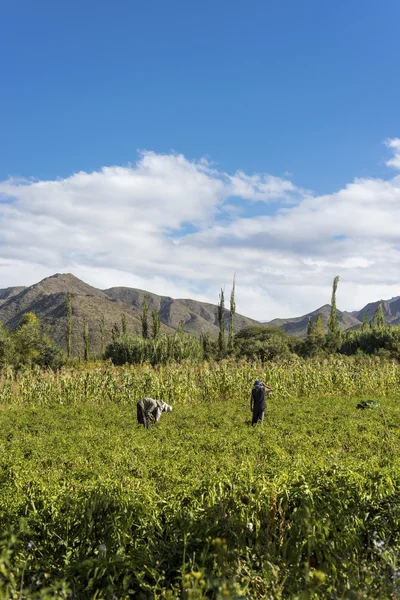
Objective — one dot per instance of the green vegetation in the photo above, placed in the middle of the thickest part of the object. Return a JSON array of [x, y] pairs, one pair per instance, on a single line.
[[221, 323], [28, 346], [161, 349], [201, 505]]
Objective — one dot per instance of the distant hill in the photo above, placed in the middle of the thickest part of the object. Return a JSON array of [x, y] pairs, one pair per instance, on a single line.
[[47, 299], [391, 310], [8, 292], [297, 326], [198, 317]]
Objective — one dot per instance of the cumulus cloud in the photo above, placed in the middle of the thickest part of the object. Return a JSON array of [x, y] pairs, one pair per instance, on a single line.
[[166, 224], [394, 144]]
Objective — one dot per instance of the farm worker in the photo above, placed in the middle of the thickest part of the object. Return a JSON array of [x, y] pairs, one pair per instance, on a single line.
[[257, 401], [150, 410]]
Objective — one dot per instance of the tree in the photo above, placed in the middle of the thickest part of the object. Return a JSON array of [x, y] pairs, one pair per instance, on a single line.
[[123, 323], [156, 323], [32, 347], [85, 335], [6, 346], [365, 321], [315, 341], [379, 320], [69, 325], [264, 343], [318, 329], [221, 322], [207, 346], [232, 317], [145, 324], [115, 332], [333, 321], [102, 336], [29, 319], [310, 327]]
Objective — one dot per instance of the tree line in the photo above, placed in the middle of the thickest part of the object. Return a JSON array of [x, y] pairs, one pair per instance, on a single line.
[[30, 345]]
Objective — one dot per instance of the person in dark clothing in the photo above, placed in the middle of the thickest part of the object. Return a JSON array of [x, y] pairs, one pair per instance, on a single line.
[[257, 401]]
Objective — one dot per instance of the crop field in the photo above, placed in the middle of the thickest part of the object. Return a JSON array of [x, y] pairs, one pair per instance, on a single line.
[[201, 505]]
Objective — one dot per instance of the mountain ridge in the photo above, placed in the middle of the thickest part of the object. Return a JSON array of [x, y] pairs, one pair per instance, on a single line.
[[47, 299]]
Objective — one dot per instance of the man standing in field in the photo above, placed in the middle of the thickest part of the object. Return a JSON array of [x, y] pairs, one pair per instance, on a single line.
[[257, 401], [150, 410]]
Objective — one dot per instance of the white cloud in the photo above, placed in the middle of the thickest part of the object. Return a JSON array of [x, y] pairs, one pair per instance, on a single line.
[[394, 144], [167, 225], [265, 188]]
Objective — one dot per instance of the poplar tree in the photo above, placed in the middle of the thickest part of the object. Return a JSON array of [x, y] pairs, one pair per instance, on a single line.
[[333, 321], [115, 332], [85, 340], [310, 327], [156, 323], [102, 336], [379, 320], [231, 341], [221, 322], [69, 330], [206, 345], [318, 328], [145, 323], [123, 323]]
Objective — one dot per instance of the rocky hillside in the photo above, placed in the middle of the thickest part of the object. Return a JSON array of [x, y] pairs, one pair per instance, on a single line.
[[298, 325], [391, 310], [47, 299]]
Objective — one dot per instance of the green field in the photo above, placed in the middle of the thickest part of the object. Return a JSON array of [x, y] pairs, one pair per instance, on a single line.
[[201, 505]]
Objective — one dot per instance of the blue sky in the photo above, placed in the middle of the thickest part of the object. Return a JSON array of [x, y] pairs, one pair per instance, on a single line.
[[306, 92]]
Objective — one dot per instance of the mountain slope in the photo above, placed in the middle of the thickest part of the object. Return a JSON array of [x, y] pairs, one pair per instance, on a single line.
[[298, 325], [391, 310], [47, 299], [198, 317], [9, 292]]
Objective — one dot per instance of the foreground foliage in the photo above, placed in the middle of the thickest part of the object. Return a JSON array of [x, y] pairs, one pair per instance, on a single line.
[[201, 505]]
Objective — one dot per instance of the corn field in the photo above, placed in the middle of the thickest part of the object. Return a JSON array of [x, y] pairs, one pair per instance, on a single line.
[[201, 505], [187, 383]]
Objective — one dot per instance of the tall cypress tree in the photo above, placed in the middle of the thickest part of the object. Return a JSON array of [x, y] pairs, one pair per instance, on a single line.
[[156, 323], [231, 341], [333, 321], [145, 323], [69, 330], [365, 321], [221, 322]]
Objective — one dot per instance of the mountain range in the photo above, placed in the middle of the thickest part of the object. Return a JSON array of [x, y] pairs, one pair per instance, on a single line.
[[47, 299]]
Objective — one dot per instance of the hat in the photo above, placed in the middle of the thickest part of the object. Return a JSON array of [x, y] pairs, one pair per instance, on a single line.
[[257, 383], [167, 408]]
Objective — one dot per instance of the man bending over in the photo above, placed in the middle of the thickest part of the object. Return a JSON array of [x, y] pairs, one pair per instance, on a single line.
[[150, 410]]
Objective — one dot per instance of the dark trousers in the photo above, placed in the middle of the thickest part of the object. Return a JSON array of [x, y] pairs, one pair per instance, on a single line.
[[258, 416], [141, 418]]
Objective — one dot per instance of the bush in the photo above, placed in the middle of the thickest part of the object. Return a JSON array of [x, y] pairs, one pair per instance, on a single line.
[[163, 349]]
